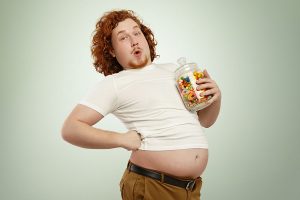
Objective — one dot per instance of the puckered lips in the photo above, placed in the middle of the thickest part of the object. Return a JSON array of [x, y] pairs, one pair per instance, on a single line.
[[137, 52]]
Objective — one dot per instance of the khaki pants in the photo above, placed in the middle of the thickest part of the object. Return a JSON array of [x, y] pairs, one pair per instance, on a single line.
[[137, 187]]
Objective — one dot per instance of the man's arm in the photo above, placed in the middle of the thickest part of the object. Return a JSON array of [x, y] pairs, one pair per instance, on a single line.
[[209, 115], [78, 130]]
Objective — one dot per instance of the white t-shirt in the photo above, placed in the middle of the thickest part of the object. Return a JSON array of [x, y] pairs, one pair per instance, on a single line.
[[147, 100]]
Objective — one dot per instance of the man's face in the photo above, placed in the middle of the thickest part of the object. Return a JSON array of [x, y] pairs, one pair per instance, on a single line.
[[130, 46]]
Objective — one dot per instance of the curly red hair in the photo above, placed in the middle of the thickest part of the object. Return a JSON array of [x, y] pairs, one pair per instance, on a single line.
[[101, 47]]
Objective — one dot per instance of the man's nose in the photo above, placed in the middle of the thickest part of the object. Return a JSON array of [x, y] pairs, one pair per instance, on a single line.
[[134, 42]]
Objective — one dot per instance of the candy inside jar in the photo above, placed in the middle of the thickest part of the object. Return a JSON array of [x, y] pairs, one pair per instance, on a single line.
[[186, 76]]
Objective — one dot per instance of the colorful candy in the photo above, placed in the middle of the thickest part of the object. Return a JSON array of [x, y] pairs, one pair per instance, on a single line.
[[186, 84]]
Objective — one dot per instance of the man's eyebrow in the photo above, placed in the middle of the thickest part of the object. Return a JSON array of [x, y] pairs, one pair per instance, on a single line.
[[122, 31]]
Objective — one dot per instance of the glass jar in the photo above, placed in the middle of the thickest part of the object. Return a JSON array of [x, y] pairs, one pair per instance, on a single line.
[[186, 76]]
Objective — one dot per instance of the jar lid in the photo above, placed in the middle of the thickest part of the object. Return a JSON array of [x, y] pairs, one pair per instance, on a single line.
[[182, 62]]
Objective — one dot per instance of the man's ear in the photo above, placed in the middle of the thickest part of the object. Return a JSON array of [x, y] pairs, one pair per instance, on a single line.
[[112, 53]]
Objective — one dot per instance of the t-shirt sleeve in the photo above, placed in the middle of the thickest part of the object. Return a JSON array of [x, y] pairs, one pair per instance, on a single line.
[[102, 97]]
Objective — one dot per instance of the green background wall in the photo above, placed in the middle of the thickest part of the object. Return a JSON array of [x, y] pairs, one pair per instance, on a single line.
[[251, 48]]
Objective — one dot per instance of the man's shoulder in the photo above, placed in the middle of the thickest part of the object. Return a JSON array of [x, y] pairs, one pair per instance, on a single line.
[[167, 66]]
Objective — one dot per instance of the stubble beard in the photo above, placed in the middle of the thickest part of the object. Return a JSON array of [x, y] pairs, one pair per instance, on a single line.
[[140, 63]]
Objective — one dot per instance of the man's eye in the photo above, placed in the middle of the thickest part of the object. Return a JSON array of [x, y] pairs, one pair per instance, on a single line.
[[123, 37], [137, 33]]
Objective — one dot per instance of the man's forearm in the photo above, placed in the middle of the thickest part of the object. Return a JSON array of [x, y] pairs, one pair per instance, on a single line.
[[86, 136], [209, 115]]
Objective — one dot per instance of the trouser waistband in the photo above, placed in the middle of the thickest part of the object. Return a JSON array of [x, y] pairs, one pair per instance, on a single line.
[[186, 184]]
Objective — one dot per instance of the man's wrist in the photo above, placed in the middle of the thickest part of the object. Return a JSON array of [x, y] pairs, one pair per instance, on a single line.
[[119, 139]]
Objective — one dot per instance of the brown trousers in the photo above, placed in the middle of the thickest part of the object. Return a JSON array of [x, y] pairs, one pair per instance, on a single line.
[[137, 187]]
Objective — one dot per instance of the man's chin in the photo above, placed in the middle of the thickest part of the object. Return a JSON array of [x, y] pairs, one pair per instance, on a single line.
[[139, 64]]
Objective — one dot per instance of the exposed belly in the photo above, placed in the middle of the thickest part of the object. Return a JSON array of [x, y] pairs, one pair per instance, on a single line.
[[188, 163]]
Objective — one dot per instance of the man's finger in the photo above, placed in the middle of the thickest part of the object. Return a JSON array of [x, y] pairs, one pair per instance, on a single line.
[[206, 74]]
